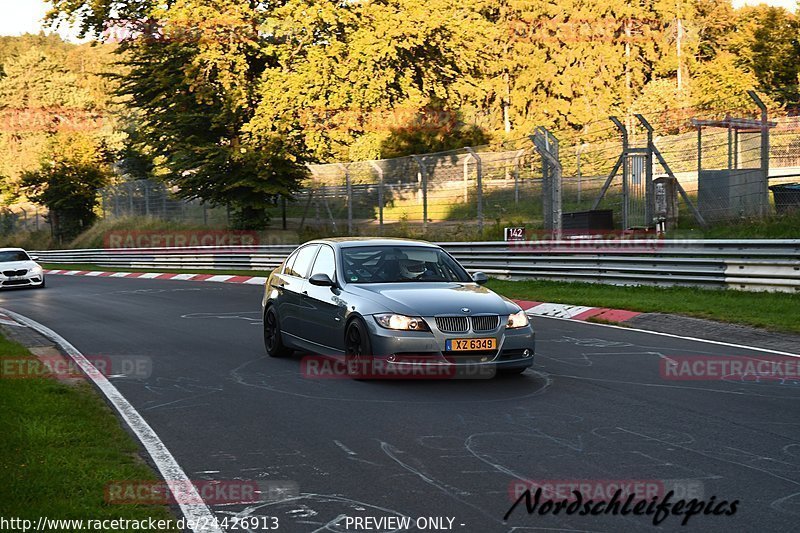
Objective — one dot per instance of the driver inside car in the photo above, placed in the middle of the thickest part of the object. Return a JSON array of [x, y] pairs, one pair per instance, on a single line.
[[411, 269]]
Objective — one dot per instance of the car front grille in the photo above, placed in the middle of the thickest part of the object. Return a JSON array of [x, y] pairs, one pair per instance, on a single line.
[[485, 323], [10, 273], [452, 324], [461, 324], [16, 283]]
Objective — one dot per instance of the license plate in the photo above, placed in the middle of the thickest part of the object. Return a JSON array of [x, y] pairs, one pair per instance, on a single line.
[[470, 345]]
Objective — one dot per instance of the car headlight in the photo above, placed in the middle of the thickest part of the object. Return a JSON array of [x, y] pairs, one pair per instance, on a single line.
[[36, 271], [517, 320], [402, 322]]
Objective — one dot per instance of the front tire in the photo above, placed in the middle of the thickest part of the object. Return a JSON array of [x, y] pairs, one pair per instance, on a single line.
[[358, 350], [273, 341]]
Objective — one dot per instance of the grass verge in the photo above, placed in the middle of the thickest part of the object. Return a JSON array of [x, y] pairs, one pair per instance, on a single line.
[[98, 268], [773, 311], [60, 446]]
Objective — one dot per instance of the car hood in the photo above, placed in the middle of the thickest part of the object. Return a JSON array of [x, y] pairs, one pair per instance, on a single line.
[[17, 265], [433, 298]]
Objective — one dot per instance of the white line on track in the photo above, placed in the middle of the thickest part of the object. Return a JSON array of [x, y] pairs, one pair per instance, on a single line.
[[695, 339], [198, 514]]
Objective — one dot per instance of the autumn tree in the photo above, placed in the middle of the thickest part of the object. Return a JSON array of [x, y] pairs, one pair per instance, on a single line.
[[67, 183]]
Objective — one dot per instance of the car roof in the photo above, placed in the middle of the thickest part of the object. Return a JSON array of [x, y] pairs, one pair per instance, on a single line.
[[346, 242], [12, 250]]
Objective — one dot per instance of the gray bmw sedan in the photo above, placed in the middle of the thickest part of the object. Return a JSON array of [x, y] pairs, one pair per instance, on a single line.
[[381, 305]]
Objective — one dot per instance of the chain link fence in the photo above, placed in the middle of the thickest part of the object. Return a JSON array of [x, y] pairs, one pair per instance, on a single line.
[[471, 193], [18, 219], [145, 198]]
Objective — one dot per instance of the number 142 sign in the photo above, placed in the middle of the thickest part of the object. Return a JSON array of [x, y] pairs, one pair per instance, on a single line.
[[514, 234]]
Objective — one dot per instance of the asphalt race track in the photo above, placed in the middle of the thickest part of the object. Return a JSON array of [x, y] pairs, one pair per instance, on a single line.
[[595, 408]]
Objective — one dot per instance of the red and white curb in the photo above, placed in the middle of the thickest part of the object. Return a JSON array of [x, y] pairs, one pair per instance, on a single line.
[[249, 280], [574, 312]]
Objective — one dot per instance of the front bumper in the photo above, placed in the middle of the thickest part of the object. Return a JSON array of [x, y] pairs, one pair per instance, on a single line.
[[21, 282], [515, 347]]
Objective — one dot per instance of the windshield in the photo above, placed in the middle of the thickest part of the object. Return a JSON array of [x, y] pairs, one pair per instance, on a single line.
[[393, 264], [14, 255]]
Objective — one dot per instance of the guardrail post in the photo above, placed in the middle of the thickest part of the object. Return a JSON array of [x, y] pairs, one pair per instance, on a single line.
[[424, 176], [379, 170], [479, 186]]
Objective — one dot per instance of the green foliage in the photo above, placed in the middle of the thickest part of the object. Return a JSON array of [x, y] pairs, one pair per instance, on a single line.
[[67, 185], [766, 42], [722, 84], [228, 98], [193, 93], [49, 90]]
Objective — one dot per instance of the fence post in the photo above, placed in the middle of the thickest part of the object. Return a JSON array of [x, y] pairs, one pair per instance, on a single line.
[[764, 152], [466, 179], [650, 198], [579, 152], [625, 170], [349, 189], [379, 170], [146, 197], [129, 187], [424, 175], [517, 166], [283, 211], [479, 186], [547, 146]]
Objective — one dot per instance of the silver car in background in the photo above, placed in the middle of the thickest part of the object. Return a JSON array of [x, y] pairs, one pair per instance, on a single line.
[[18, 269], [398, 301]]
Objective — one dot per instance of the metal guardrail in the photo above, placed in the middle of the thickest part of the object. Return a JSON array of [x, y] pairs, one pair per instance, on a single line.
[[738, 264]]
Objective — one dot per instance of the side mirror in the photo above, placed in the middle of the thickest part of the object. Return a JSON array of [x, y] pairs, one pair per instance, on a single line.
[[480, 278], [321, 280], [34, 258]]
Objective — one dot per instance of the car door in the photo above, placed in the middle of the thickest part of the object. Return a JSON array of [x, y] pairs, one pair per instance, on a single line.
[[326, 310], [290, 303]]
